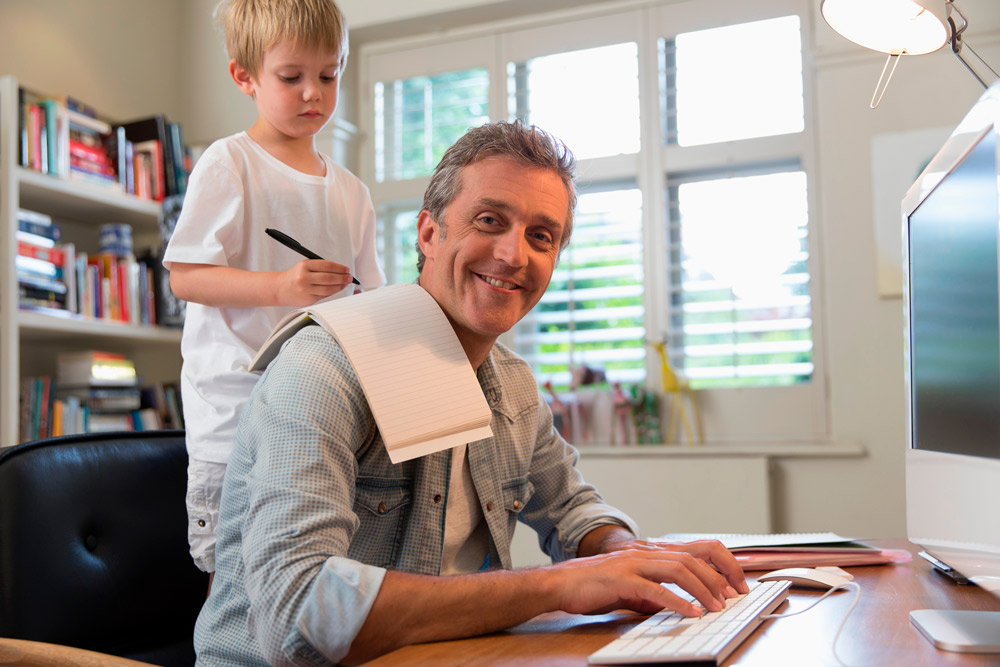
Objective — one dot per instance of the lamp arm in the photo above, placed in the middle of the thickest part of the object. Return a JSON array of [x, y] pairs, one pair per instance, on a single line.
[[984, 74]]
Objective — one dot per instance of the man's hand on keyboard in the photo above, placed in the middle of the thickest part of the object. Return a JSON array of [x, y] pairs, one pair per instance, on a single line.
[[629, 572]]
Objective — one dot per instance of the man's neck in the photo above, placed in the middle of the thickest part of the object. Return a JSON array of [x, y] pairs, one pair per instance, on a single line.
[[477, 349]]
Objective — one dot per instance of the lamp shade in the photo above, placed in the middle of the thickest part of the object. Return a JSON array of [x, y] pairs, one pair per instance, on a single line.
[[912, 27]]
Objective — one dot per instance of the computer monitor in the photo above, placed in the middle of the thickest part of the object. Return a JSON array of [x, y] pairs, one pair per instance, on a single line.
[[951, 296]]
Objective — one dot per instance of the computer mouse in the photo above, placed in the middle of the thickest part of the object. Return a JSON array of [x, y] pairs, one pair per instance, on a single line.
[[807, 577]]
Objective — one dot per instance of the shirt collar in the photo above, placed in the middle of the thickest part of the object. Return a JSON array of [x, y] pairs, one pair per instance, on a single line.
[[490, 383]]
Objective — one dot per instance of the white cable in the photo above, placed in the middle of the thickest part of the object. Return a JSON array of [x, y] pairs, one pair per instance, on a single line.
[[857, 596]]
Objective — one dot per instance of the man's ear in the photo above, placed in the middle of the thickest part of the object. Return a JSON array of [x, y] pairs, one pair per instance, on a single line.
[[242, 78], [427, 232]]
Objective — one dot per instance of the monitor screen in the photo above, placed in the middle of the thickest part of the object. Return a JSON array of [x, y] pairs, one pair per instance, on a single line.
[[954, 308]]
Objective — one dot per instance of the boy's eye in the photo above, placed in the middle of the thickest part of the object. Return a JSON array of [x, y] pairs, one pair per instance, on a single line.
[[289, 79], [328, 79]]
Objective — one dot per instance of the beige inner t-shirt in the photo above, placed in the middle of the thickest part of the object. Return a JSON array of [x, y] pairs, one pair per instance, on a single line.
[[466, 535]]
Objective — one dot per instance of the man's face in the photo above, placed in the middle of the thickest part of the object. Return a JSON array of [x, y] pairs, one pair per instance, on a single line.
[[493, 259]]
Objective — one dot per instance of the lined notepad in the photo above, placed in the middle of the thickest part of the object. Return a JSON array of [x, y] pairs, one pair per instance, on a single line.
[[421, 388]]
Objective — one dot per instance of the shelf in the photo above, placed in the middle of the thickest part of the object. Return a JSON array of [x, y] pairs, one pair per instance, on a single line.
[[41, 327], [82, 201]]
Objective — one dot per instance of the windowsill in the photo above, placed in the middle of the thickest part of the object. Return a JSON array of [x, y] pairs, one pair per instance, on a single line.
[[730, 450]]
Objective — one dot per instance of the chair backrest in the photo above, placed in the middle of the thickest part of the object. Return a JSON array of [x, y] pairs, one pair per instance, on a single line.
[[93, 545]]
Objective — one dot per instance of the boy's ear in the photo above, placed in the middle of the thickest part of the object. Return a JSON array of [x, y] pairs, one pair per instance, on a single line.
[[242, 78], [427, 232]]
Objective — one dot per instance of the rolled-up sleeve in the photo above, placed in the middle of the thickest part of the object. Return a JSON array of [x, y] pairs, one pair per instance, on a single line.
[[564, 507]]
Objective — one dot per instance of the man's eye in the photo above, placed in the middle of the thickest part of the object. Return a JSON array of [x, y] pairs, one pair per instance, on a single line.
[[543, 237], [488, 220]]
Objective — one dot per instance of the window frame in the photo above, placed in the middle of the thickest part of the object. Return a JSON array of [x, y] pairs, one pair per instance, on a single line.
[[758, 414]]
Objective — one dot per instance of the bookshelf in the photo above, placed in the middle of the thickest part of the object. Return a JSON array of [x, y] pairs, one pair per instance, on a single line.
[[30, 341]]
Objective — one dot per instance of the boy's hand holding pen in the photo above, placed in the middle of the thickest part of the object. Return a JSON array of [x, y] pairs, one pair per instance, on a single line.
[[306, 283]]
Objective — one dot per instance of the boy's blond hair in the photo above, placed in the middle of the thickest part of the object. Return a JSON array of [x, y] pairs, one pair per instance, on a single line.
[[254, 26]]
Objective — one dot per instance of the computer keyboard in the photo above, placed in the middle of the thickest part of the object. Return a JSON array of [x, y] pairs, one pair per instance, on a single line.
[[670, 637]]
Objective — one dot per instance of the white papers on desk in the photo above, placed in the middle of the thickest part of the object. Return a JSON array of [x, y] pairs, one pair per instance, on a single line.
[[743, 541]]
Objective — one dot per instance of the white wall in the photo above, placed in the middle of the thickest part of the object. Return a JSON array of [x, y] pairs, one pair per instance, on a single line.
[[123, 57], [864, 332], [136, 57]]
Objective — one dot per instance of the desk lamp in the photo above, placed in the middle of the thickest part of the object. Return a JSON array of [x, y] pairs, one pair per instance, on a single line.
[[905, 27]]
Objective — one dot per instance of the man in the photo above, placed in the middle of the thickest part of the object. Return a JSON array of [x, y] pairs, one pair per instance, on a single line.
[[329, 553]]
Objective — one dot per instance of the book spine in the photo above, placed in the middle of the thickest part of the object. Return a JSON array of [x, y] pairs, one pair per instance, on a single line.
[[51, 232], [56, 256], [22, 117], [50, 108]]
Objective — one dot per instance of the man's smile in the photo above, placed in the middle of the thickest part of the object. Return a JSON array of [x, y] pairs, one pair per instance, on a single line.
[[496, 282]]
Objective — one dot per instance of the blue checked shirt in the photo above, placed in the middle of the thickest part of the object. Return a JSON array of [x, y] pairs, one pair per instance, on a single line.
[[314, 513]]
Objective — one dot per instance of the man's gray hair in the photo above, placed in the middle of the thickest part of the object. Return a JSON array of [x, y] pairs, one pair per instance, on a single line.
[[527, 145]]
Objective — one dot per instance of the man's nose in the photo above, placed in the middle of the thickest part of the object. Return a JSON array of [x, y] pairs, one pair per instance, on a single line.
[[512, 248]]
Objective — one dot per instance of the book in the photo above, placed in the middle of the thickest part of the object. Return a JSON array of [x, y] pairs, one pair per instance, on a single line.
[[421, 388], [177, 155], [154, 128], [92, 368], [771, 551], [149, 168]]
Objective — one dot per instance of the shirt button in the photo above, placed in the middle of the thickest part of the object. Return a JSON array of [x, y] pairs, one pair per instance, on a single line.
[[437, 498], [201, 523], [517, 504], [489, 506], [382, 508]]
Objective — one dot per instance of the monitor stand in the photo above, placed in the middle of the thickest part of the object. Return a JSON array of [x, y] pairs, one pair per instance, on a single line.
[[959, 630]]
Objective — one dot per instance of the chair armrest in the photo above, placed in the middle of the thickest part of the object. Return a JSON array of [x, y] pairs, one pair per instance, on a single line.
[[39, 654]]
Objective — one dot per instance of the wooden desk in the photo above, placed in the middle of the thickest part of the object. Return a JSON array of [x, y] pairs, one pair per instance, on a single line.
[[878, 632]]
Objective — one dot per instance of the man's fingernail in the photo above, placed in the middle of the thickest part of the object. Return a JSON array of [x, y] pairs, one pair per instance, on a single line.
[[731, 592]]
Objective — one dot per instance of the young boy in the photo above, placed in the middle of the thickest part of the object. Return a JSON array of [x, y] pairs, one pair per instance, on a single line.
[[288, 56]]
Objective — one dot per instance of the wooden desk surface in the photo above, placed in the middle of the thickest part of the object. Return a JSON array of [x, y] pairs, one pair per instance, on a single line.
[[878, 632]]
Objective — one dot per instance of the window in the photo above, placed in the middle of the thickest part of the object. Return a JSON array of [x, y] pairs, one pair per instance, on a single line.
[[397, 241], [739, 302], [587, 98], [737, 82], [691, 127], [592, 313], [417, 119]]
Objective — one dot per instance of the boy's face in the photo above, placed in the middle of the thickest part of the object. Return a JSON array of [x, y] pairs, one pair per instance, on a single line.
[[295, 89]]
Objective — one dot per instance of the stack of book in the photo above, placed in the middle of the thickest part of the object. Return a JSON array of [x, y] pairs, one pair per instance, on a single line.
[[94, 392], [161, 159], [114, 285], [46, 278], [99, 392], [88, 154], [62, 136]]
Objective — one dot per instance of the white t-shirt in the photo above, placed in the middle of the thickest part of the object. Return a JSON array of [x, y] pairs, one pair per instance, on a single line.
[[237, 190]]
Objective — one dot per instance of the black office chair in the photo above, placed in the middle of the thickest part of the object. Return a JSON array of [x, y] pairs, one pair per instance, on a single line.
[[93, 545]]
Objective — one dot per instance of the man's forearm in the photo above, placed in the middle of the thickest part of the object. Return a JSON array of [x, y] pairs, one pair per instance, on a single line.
[[414, 608], [604, 539]]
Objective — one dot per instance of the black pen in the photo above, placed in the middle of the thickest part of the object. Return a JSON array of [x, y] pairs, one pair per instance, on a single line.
[[288, 241]]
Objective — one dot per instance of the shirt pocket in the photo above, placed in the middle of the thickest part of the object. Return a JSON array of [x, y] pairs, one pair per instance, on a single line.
[[382, 505], [516, 494]]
